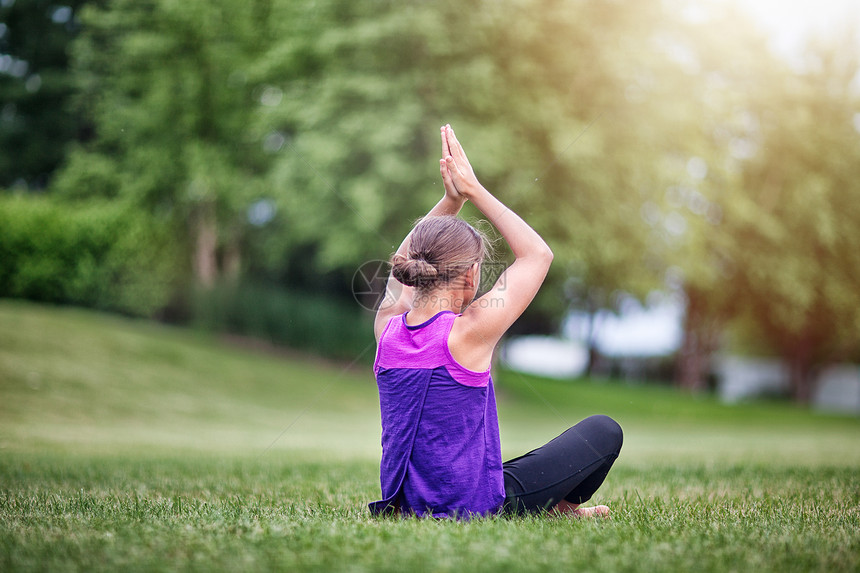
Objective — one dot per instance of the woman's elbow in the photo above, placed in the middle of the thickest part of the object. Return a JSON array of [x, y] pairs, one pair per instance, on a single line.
[[539, 254], [547, 254], [544, 257]]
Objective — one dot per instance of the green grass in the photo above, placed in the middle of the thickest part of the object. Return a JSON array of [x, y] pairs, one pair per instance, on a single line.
[[129, 445]]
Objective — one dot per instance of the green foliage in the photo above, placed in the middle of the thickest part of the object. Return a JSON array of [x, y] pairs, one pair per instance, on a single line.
[[354, 165], [36, 88], [306, 321], [99, 255], [799, 270], [653, 148], [88, 176], [361, 126], [771, 239], [167, 87]]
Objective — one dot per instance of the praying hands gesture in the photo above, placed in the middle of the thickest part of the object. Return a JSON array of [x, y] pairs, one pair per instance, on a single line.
[[457, 173]]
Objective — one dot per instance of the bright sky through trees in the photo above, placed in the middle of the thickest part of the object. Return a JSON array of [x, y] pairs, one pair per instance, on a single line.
[[791, 22]]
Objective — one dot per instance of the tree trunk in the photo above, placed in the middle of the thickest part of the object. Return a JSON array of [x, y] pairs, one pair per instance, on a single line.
[[232, 263], [692, 364], [591, 342], [800, 376], [701, 339], [593, 356], [205, 260]]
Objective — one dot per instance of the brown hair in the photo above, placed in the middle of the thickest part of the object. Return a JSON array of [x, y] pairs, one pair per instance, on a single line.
[[440, 249]]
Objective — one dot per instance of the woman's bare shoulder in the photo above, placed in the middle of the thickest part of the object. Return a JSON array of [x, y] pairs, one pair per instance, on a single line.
[[468, 345]]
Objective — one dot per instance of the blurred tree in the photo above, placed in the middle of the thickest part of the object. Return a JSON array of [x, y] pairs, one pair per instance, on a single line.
[[353, 120], [797, 248], [764, 209], [36, 122], [166, 85], [194, 102], [537, 94], [583, 157], [100, 255], [714, 61], [293, 141]]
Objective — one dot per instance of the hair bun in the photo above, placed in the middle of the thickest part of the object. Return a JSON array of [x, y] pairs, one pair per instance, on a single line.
[[414, 272]]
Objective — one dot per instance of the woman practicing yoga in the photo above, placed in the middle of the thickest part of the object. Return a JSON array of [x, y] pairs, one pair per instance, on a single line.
[[441, 454]]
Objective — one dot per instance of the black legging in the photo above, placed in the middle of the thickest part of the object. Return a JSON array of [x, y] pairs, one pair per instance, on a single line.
[[570, 467]]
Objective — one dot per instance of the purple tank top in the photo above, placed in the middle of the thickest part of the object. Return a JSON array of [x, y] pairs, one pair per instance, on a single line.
[[441, 453]]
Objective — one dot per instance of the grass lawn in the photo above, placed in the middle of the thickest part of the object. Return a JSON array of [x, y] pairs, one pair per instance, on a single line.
[[130, 445]]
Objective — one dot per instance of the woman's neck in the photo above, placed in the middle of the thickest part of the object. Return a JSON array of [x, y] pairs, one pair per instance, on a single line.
[[429, 304]]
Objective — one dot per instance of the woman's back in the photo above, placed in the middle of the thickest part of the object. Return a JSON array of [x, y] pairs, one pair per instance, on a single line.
[[440, 433]]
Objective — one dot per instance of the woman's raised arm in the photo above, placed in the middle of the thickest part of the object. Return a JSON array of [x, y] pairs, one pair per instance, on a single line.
[[398, 297], [490, 316]]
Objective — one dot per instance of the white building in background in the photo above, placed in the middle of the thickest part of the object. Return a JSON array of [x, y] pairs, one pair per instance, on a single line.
[[838, 389], [549, 356], [639, 333], [741, 378], [635, 332]]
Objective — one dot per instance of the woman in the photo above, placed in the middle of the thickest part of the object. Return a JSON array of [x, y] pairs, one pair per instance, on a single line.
[[441, 454]]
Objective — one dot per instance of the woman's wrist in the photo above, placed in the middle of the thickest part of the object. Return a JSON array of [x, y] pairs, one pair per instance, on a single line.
[[459, 199], [477, 194], [472, 190], [447, 205], [455, 203]]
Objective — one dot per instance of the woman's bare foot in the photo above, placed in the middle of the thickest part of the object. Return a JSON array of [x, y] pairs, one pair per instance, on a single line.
[[596, 511], [573, 510]]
